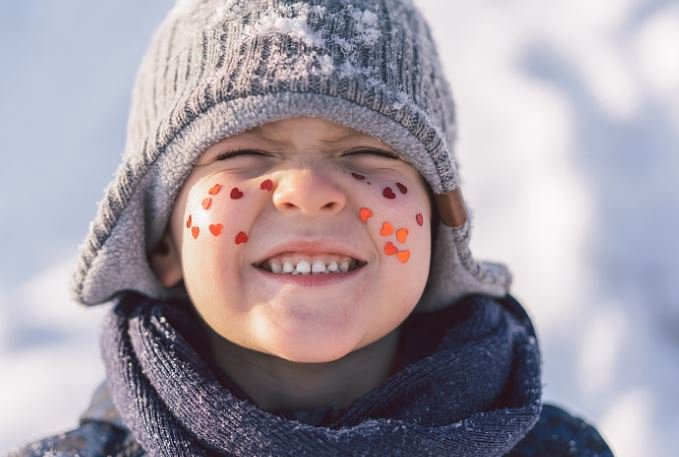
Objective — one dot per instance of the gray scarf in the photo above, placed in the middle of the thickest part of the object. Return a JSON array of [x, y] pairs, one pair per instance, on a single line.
[[467, 383]]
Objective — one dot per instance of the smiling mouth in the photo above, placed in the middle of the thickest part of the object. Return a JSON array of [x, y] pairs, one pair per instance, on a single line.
[[306, 265]]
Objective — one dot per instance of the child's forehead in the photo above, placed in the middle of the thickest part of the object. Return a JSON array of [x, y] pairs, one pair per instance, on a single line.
[[307, 129]]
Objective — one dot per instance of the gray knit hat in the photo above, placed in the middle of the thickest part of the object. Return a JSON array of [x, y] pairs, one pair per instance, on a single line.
[[216, 68]]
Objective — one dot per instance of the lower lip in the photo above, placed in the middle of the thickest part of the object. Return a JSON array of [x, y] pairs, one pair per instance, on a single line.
[[312, 280]]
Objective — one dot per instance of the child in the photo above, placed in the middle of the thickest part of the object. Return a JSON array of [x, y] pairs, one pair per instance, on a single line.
[[287, 250]]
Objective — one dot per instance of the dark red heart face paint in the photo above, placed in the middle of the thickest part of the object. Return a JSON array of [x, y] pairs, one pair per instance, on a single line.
[[402, 188], [216, 229], [267, 184], [419, 219], [236, 193], [358, 176], [214, 190], [242, 237], [207, 203], [188, 222], [388, 193], [195, 231]]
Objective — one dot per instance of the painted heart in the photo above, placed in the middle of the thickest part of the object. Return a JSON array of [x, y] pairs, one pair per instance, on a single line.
[[388, 193], [214, 190], [242, 237], [195, 231], [236, 193], [365, 214], [402, 188], [188, 222], [216, 229], [402, 235], [387, 229], [419, 219], [207, 203], [389, 248], [267, 184], [403, 256]]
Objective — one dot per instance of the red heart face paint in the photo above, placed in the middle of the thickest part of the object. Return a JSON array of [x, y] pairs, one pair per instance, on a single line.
[[242, 237], [358, 176], [403, 256], [387, 229], [402, 188], [195, 231], [206, 203], [188, 222], [419, 219], [388, 193], [214, 190], [267, 184], [389, 248], [364, 214], [216, 229], [236, 193], [402, 235]]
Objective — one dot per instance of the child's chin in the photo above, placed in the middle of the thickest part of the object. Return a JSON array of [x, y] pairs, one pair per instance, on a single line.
[[311, 350]]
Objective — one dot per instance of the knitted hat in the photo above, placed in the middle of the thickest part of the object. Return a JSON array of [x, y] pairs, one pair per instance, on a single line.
[[216, 68]]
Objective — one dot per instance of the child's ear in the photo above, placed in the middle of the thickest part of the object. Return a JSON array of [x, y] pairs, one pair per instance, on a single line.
[[165, 262]]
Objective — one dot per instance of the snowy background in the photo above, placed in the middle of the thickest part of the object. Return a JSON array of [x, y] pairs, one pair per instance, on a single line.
[[569, 146]]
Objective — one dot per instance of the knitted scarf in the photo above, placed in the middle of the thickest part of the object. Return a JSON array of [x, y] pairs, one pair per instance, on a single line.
[[467, 383]]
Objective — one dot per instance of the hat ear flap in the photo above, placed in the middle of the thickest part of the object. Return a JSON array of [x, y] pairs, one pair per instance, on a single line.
[[165, 262]]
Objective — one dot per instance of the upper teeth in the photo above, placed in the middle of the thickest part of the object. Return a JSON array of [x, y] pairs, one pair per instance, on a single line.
[[309, 265]]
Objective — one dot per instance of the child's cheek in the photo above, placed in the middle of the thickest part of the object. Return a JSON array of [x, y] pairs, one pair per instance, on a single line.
[[395, 220], [211, 209]]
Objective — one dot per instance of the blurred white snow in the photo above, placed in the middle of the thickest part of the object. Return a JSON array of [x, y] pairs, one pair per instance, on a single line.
[[568, 118]]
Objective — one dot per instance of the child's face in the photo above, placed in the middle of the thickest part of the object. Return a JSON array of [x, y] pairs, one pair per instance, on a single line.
[[301, 190]]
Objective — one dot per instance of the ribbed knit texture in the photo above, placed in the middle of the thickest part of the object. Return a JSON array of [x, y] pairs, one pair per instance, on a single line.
[[469, 385], [218, 67]]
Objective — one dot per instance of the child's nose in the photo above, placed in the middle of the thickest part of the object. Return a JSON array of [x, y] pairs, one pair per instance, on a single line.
[[309, 192]]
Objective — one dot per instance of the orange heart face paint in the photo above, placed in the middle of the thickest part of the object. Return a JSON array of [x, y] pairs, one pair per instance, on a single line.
[[206, 203], [236, 193], [403, 256], [195, 231], [388, 193], [364, 214], [242, 237], [389, 248], [188, 222], [387, 229], [267, 184], [216, 229], [214, 190], [402, 235], [419, 219]]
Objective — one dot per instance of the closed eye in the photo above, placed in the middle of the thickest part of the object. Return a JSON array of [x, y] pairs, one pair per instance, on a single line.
[[244, 152], [239, 152], [376, 152]]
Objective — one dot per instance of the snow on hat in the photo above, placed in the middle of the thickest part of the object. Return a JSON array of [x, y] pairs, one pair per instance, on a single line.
[[216, 68]]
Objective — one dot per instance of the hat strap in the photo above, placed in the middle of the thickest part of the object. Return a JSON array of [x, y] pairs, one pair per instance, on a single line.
[[451, 207]]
